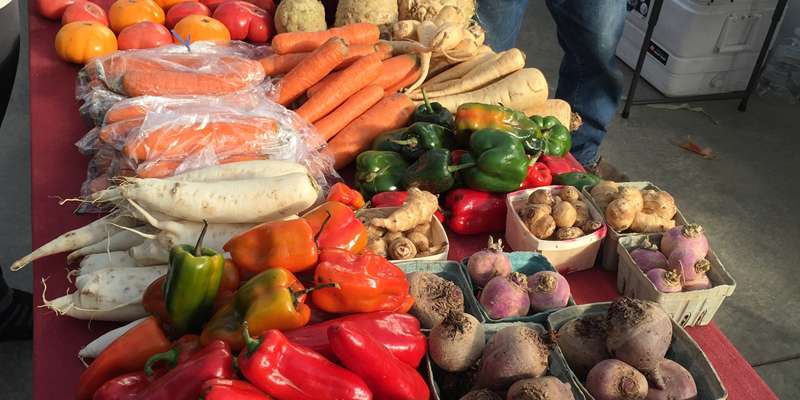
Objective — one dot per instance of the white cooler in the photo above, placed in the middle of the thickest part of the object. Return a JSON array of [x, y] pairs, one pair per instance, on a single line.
[[698, 46]]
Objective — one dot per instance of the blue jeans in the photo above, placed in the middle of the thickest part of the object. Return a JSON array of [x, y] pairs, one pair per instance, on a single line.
[[588, 32]]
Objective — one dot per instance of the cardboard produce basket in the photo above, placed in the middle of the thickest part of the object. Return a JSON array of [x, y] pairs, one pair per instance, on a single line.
[[565, 255], [557, 367], [449, 270], [683, 350], [527, 263], [691, 308], [608, 255], [437, 232]]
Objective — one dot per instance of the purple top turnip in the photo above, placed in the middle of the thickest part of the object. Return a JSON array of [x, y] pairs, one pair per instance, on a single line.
[[639, 333], [548, 290], [648, 259], [666, 281], [583, 343], [702, 282], [488, 263], [542, 388], [691, 264], [506, 296], [515, 352], [689, 236], [678, 383], [615, 380]]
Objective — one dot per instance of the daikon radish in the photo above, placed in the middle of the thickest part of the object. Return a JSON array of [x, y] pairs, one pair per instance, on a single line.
[[75, 239], [122, 240], [95, 262], [241, 201], [521, 90], [241, 170], [484, 73], [97, 346], [555, 107], [150, 252], [484, 53]]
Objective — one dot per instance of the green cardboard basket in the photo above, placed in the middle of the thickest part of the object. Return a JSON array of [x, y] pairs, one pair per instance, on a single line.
[[449, 270]]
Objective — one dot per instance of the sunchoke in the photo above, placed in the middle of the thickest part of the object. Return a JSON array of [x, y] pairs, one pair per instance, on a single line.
[[402, 249]]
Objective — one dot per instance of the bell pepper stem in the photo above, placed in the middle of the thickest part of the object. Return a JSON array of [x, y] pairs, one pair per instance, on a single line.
[[198, 248], [170, 357], [250, 343], [297, 294], [322, 226], [407, 142], [459, 167], [427, 102]]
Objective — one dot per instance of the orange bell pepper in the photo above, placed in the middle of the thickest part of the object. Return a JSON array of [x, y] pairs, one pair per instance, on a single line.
[[277, 244], [366, 283], [340, 230], [346, 195]]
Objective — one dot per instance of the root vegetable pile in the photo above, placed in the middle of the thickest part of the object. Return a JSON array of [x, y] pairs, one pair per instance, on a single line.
[[562, 215], [628, 209]]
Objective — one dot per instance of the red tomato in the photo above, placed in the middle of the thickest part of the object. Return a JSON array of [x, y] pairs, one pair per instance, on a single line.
[[84, 12], [212, 4], [180, 10], [53, 9], [267, 5], [144, 35], [245, 21]]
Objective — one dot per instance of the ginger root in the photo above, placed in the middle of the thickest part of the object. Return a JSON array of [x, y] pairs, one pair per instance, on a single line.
[[402, 249], [620, 214], [417, 209], [564, 214], [650, 223]]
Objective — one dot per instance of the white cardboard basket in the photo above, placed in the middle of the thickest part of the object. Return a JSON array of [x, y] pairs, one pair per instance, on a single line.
[[696, 307], [608, 256], [565, 255], [437, 232]]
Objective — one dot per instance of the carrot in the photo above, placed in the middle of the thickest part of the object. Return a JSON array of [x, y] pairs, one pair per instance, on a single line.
[[391, 112], [407, 80], [356, 105], [395, 69], [118, 132], [317, 86], [116, 114], [351, 80], [311, 70], [277, 64], [298, 42]]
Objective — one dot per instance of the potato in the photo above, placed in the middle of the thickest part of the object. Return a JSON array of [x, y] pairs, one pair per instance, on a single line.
[[564, 214], [300, 16], [378, 12]]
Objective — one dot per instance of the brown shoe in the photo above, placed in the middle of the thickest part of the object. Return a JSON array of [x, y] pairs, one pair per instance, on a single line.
[[606, 171]]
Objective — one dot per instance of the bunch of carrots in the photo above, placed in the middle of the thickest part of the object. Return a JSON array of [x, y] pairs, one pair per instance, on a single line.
[[345, 83]]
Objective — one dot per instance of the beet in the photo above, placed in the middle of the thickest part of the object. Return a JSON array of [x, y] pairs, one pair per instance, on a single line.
[[515, 352], [434, 297], [488, 263], [639, 333], [583, 343], [506, 296], [689, 236], [548, 290], [483, 394], [678, 383], [544, 388], [615, 380], [457, 342]]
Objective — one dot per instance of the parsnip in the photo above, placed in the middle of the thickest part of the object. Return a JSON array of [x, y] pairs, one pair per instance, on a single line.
[[484, 73], [95, 262], [555, 107], [97, 346], [405, 30], [459, 70], [522, 89], [77, 238], [122, 240]]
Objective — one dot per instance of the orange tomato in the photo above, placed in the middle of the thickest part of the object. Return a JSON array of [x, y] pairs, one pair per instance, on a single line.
[[144, 35], [79, 42], [200, 27], [124, 13], [84, 11]]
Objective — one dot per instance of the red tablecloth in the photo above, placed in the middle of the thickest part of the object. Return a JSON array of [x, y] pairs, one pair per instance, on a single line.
[[57, 170]]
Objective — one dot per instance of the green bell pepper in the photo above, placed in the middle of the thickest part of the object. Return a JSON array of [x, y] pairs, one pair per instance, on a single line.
[[433, 172], [387, 141], [555, 138], [192, 283], [500, 162], [577, 179], [379, 171], [434, 113], [471, 117], [421, 137]]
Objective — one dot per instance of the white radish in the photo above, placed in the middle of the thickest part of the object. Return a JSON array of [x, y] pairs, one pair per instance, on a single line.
[[150, 252], [241, 170], [77, 238], [95, 262], [122, 240], [97, 346], [241, 201]]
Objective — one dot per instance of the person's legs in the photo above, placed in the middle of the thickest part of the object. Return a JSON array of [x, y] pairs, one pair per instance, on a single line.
[[589, 31], [501, 19]]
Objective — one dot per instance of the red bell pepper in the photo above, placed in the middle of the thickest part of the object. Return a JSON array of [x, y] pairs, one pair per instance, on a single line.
[[346, 195], [561, 165], [399, 333], [387, 377], [231, 389], [290, 372], [395, 199], [473, 212], [185, 381], [123, 387], [538, 175], [182, 349], [336, 227]]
